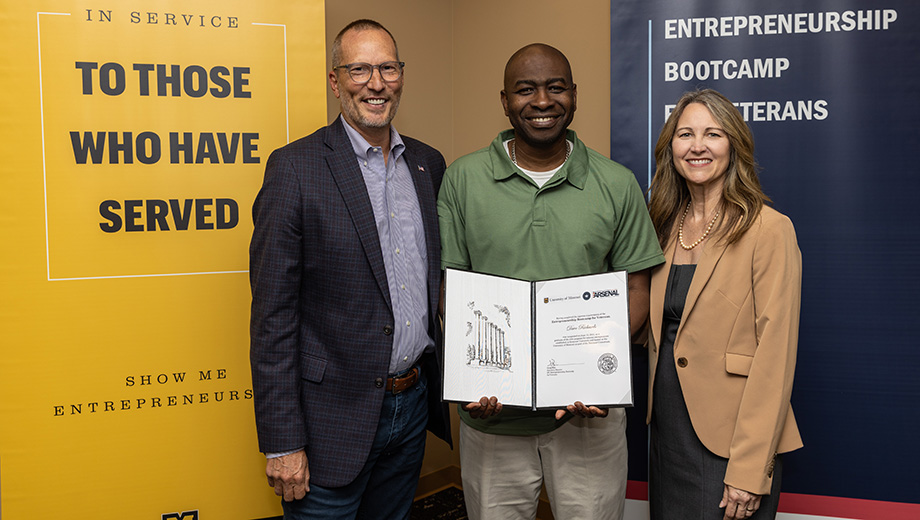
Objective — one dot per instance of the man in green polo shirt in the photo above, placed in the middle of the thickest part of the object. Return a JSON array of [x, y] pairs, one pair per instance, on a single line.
[[538, 204]]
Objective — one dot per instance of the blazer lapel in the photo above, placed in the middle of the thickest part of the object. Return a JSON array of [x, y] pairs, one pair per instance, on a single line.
[[426, 198], [658, 290], [344, 169]]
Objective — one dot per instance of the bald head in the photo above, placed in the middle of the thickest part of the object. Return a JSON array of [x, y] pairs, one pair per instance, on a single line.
[[533, 55], [539, 98]]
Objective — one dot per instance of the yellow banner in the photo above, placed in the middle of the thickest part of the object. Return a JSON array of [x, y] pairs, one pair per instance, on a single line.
[[135, 136]]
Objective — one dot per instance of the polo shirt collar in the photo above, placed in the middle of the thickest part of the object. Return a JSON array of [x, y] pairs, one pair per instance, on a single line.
[[574, 171]]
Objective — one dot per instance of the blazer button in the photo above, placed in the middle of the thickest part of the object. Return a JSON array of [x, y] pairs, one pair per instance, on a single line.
[[682, 362], [378, 382], [387, 330]]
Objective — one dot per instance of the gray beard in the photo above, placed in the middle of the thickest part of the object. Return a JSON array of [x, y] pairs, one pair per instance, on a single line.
[[362, 121]]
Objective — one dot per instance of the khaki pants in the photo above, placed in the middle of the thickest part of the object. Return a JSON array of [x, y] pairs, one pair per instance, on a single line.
[[583, 464]]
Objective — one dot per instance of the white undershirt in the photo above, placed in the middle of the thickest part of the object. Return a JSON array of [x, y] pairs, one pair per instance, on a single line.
[[540, 178]]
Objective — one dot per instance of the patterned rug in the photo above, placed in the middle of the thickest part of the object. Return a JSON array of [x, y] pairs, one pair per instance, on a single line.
[[446, 504]]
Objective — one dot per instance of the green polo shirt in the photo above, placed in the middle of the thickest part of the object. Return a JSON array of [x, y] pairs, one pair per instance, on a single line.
[[589, 218]]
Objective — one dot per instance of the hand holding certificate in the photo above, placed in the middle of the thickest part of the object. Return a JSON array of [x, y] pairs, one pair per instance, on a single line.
[[537, 344], [484, 408]]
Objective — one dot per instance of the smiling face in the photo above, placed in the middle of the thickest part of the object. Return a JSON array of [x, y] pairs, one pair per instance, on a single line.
[[539, 95], [701, 148], [368, 107]]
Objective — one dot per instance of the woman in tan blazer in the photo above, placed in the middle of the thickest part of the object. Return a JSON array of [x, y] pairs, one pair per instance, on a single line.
[[723, 323]]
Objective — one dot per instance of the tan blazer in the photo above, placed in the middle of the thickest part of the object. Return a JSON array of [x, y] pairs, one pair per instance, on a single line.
[[736, 346]]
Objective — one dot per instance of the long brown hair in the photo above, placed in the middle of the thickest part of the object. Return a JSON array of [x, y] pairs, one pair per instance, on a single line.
[[742, 196]]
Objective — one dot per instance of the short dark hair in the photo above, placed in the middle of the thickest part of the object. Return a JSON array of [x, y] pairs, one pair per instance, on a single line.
[[363, 24]]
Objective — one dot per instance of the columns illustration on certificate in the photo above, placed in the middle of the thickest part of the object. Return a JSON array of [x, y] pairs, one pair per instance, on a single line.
[[487, 323], [486, 340]]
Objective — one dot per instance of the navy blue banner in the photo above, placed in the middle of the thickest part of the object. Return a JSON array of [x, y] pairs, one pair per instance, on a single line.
[[831, 90]]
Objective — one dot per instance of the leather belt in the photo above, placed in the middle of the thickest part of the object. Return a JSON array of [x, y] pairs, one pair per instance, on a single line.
[[404, 382]]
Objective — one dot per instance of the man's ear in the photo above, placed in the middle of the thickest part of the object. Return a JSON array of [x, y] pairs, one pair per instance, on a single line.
[[504, 102], [334, 82]]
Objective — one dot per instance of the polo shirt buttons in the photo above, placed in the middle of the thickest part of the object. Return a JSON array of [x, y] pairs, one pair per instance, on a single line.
[[387, 330], [378, 382], [682, 362]]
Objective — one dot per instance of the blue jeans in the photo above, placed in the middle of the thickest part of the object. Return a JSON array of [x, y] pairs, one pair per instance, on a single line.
[[385, 487]]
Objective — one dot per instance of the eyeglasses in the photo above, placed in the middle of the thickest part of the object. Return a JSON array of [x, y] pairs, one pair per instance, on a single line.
[[361, 72]]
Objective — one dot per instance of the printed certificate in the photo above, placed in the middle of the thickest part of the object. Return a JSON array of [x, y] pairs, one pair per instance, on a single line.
[[537, 344]]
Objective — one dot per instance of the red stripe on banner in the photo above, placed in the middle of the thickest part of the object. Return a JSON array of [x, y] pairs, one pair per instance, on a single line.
[[818, 505], [842, 507], [636, 490]]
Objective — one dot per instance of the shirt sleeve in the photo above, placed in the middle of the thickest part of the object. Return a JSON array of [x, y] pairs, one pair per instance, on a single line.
[[454, 252], [636, 244]]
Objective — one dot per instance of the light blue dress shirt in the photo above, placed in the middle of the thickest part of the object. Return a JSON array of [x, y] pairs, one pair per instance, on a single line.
[[402, 242]]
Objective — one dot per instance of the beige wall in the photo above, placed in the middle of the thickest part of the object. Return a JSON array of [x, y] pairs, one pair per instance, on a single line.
[[455, 53]]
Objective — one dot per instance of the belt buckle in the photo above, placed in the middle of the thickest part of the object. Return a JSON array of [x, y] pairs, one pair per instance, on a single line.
[[398, 385]]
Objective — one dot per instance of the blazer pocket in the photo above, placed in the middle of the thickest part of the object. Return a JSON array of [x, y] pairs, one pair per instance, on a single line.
[[738, 364], [313, 368]]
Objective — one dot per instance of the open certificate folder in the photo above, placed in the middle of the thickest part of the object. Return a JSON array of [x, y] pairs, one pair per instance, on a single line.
[[537, 344]]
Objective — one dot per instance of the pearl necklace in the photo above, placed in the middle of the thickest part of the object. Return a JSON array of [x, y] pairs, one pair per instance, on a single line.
[[680, 229], [568, 152]]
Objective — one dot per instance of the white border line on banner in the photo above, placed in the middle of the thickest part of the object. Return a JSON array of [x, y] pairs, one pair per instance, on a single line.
[[41, 106], [287, 126], [649, 104], [141, 276]]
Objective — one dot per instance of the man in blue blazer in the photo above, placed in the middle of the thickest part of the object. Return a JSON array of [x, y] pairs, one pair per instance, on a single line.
[[345, 272]]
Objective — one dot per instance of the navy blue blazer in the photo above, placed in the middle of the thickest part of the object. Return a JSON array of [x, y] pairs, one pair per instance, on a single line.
[[322, 321]]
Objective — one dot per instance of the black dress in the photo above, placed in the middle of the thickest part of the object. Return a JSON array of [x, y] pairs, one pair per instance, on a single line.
[[685, 479]]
